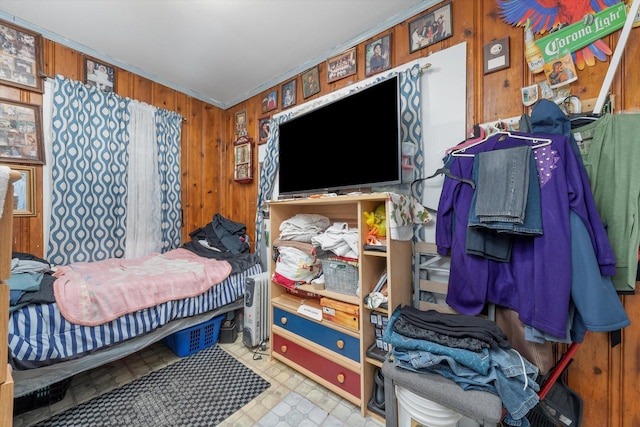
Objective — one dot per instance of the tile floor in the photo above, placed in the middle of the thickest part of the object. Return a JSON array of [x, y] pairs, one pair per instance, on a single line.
[[282, 378]]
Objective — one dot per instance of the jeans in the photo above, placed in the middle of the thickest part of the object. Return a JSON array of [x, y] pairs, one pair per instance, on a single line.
[[512, 376], [532, 221], [505, 378], [501, 184], [421, 361], [478, 361]]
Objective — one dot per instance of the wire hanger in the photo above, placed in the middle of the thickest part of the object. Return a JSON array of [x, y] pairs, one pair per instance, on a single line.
[[479, 134], [538, 142], [447, 172]]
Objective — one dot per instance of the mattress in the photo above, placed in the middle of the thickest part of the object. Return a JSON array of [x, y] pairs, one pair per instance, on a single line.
[[40, 336]]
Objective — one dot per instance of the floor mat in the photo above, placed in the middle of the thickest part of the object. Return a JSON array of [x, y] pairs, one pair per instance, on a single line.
[[297, 411], [202, 389]]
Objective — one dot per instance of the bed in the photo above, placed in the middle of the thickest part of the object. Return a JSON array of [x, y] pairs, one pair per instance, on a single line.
[[45, 347]]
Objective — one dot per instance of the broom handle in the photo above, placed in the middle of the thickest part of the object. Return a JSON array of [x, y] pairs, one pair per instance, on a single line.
[[615, 59], [558, 370]]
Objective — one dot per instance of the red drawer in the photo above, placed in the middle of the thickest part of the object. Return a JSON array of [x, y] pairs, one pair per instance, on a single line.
[[337, 375]]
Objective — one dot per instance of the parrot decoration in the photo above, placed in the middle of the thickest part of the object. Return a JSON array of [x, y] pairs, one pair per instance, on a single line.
[[550, 15]]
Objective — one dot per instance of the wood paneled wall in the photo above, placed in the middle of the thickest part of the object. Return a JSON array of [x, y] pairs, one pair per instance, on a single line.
[[608, 379]]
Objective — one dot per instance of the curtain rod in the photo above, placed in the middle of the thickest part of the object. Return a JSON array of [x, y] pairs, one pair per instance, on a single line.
[[45, 76]]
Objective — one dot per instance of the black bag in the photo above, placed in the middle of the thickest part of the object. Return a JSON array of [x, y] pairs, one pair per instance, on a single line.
[[224, 234]]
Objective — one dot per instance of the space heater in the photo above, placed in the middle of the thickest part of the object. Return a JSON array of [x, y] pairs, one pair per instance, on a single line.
[[256, 310]]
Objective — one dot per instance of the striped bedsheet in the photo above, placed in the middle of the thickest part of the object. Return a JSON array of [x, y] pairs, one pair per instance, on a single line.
[[40, 336]]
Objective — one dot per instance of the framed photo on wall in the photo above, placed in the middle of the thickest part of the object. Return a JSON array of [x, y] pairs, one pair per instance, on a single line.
[[21, 53], [21, 132], [341, 66], [101, 75], [310, 82], [263, 130], [270, 101], [241, 122], [430, 28], [289, 94], [377, 55], [24, 191]]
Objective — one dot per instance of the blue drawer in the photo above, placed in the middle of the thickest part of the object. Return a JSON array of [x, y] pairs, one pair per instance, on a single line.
[[330, 339]]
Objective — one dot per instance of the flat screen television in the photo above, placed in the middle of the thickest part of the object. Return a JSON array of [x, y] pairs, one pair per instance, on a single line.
[[352, 143]]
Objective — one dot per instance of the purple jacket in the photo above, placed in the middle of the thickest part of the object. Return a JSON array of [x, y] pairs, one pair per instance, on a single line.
[[537, 281]]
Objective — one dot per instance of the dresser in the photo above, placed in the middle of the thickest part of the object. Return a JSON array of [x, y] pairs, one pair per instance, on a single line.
[[334, 352]]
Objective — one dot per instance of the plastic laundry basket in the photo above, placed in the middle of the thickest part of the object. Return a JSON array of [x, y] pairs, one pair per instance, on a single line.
[[414, 409]]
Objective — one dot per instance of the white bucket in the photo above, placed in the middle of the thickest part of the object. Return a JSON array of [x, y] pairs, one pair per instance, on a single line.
[[415, 411]]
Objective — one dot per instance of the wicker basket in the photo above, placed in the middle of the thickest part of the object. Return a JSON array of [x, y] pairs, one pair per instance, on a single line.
[[340, 276]]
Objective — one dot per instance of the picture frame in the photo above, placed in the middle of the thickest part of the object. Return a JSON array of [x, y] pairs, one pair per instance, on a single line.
[[99, 74], [243, 163], [310, 82], [264, 129], [496, 55], [24, 191], [241, 123], [270, 101], [529, 95], [341, 66], [430, 28], [289, 94], [21, 53], [21, 138], [376, 61]]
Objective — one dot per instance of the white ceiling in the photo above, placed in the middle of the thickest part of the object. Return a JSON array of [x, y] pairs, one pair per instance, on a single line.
[[219, 51]]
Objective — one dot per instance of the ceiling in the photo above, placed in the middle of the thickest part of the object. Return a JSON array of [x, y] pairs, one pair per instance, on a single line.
[[219, 51]]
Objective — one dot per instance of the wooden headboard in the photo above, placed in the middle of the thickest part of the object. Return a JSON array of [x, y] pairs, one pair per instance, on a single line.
[[6, 229], [6, 244]]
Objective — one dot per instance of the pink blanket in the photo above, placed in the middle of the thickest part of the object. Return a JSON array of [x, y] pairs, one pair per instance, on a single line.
[[97, 292]]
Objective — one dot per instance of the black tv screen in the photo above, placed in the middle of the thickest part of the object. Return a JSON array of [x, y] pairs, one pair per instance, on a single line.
[[352, 143]]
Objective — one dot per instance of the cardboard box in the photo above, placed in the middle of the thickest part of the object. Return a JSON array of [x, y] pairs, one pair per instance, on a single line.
[[342, 313]]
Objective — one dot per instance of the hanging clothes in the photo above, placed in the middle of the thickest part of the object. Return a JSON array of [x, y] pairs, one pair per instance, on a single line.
[[537, 281], [611, 155]]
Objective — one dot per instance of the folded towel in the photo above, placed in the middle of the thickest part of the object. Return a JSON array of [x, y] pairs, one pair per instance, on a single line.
[[405, 212]]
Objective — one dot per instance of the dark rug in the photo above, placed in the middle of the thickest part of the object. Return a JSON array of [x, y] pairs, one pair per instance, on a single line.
[[202, 389]]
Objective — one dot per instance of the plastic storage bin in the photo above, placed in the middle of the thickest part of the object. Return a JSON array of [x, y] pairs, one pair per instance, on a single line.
[[195, 338], [340, 276], [228, 332], [43, 397], [414, 409]]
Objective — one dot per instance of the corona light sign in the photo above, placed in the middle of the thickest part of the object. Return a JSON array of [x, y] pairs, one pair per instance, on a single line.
[[579, 35]]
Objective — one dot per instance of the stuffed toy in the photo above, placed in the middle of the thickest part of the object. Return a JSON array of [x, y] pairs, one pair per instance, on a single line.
[[377, 222]]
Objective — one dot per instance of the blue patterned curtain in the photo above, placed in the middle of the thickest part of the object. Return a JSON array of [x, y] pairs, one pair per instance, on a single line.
[[411, 131], [169, 135], [89, 168]]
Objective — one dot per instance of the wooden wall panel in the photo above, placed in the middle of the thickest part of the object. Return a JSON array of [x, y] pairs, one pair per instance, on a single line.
[[626, 85], [628, 414], [605, 377], [192, 169], [213, 168]]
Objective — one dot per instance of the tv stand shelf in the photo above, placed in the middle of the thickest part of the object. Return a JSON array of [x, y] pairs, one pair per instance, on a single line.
[[329, 353]]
